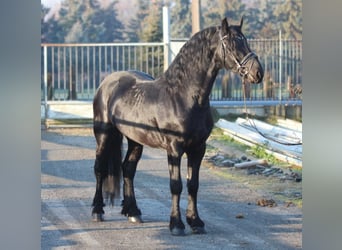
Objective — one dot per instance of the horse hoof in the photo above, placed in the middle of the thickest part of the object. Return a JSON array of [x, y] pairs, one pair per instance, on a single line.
[[135, 219], [97, 217], [198, 230], [177, 231]]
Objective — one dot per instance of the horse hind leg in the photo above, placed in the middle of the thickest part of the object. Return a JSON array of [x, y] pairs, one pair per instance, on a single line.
[[106, 168], [129, 166], [112, 182]]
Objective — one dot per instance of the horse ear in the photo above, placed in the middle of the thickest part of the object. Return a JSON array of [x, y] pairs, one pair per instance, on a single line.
[[241, 22], [225, 25]]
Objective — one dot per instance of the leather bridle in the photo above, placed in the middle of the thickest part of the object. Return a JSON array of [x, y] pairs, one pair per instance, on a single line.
[[241, 66]]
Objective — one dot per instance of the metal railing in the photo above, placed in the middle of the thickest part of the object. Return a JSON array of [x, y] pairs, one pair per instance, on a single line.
[[74, 71], [282, 63]]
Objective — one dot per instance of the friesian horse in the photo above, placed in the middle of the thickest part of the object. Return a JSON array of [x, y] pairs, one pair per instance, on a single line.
[[171, 112]]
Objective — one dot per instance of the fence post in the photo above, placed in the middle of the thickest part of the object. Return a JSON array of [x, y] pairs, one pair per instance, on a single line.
[[166, 37], [280, 63], [45, 84], [196, 13]]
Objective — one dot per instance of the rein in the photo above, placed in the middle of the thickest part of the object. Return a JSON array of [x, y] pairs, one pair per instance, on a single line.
[[252, 124]]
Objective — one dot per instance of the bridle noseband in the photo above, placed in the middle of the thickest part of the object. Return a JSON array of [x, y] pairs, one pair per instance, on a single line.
[[241, 66]]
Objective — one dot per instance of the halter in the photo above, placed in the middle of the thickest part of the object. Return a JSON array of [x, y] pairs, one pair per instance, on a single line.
[[241, 66]]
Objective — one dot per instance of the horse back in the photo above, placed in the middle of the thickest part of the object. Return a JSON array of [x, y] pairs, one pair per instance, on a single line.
[[113, 87]]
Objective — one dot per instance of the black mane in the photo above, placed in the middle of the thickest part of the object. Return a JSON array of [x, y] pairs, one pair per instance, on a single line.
[[194, 57]]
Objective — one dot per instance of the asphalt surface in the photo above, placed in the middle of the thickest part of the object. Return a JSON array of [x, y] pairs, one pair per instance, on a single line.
[[233, 220]]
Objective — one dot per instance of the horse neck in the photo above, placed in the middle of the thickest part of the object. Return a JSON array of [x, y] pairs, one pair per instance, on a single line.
[[194, 69]]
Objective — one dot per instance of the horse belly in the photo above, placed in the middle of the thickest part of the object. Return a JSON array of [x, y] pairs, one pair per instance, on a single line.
[[142, 133], [138, 124]]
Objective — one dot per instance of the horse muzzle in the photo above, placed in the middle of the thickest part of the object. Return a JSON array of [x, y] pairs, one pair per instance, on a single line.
[[250, 68]]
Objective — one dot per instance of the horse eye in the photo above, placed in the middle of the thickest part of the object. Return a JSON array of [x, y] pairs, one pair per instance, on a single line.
[[238, 38]]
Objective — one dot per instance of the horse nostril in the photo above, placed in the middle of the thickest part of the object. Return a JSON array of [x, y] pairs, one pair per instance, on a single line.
[[260, 75]]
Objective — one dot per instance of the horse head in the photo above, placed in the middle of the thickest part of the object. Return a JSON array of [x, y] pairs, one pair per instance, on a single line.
[[236, 55]]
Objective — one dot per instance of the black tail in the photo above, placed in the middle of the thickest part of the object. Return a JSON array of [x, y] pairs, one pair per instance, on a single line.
[[112, 182]]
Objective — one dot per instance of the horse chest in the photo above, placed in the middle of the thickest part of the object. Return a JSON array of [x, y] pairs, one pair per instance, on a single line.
[[198, 127]]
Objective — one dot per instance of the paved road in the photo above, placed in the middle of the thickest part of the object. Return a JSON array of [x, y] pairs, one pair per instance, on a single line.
[[68, 185]]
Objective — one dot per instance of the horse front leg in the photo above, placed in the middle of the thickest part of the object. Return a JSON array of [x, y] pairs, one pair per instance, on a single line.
[[194, 163], [176, 226], [129, 166]]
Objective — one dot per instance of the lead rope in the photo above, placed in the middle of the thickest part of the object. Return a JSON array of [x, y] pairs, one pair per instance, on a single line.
[[252, 124]]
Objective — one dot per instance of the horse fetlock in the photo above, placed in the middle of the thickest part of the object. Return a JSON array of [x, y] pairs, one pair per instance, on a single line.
[[130, 211], [97, 217], [177, 226], [196, 224]]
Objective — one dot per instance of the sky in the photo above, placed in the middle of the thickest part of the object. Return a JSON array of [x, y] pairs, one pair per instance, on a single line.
[[49, 3]]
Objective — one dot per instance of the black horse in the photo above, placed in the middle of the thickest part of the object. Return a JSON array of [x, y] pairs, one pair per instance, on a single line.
[[171, 112]]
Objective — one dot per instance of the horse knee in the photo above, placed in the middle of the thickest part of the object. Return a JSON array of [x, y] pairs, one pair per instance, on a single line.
[[176, 186], [192, 186]]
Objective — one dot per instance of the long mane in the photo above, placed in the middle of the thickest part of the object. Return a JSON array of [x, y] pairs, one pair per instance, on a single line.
[[193, 58]]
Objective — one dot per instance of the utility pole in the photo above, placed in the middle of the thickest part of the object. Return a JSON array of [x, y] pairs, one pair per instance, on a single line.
[[166, 37], [196, 14]]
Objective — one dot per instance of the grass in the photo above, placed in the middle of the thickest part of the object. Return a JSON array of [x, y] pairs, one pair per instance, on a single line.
[[260, 153], [61, 122], [217, 134]]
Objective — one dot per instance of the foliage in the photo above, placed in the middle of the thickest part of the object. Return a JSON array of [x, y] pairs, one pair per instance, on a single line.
[[98, 20], [260, 152], [290, 20], [152, 27], [181, 23], [214, 11], [219, 134], [134, 28], [83, 22], [147, 25]]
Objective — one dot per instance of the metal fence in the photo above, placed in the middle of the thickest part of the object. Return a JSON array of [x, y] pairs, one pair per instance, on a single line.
[[74, 71], [282, 63]]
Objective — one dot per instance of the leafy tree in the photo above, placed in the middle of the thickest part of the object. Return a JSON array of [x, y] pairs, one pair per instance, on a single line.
[[44, 25], [180, 19], [152, 29], [77, 18], [135, 26], [113, 27], [260, 20], [50, 28], [214, 11], [86, 21], [289, 14]]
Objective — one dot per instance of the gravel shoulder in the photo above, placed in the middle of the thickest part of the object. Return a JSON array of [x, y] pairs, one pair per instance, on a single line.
[[286, 191]]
